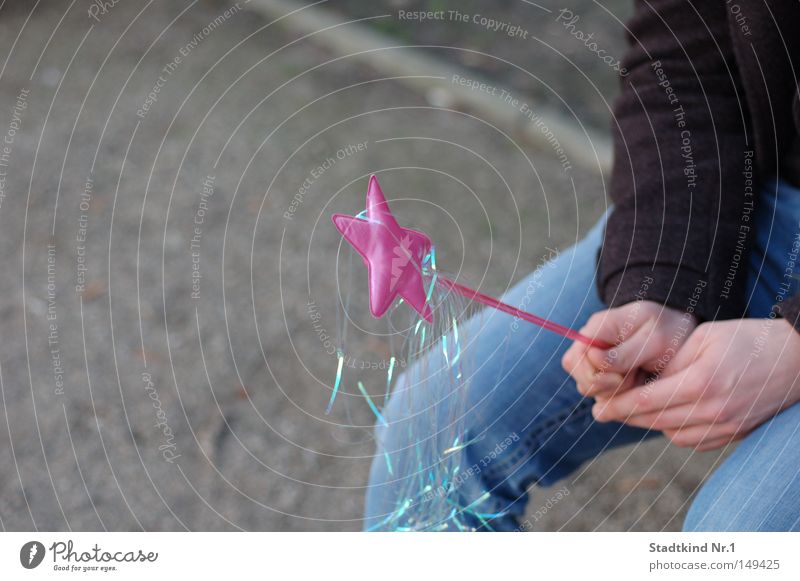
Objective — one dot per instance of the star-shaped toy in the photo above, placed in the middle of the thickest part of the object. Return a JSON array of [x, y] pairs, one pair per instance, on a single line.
[[393, 254]]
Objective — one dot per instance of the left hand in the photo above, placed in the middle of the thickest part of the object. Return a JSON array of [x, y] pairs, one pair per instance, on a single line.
[[726, 380]]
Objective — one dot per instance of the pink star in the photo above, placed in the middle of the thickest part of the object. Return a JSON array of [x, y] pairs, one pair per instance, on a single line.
[[393, 254]]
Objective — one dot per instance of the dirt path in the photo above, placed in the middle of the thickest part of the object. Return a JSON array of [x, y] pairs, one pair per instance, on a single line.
[[160, 365]]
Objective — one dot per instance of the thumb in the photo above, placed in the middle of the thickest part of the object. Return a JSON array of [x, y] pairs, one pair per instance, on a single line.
[[690, 351], [606, 325], [643, 347]]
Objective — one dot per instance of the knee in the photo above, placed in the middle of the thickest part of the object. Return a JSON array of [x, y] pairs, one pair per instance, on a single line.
[[733, 502], [415, 410], [708, 514]]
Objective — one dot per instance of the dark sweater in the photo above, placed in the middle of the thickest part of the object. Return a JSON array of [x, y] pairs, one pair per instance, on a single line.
[[711, 93]]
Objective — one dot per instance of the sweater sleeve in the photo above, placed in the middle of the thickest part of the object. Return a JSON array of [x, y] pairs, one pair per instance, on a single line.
[[682, 181]]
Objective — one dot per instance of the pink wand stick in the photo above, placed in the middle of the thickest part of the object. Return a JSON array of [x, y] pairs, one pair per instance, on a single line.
[[530, 317], [394, 257]]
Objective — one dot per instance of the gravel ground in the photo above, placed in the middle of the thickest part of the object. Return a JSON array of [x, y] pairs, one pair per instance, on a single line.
[[161, 368], [539, 49]]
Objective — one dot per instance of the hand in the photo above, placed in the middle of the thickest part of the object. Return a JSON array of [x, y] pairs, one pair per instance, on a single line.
[[727, 379], [646, 336]]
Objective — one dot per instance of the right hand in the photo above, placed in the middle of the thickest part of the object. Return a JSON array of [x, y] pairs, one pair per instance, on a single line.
[[646, 335]]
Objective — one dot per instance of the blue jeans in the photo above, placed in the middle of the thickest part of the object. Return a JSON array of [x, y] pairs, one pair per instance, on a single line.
[[520, 396]]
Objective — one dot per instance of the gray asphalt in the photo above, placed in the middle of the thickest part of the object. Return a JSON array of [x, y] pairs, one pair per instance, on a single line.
[[161, 368]]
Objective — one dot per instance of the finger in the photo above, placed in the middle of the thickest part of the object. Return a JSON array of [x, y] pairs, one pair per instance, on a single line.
[[591, 379], [592, 382], [609, 383], [583, 373], [694, 436], [709, 445], [603, 383], [690, 351], [671, 418], [578, 366], [681, 388], [605, 325], [573, 356], [641, 347]]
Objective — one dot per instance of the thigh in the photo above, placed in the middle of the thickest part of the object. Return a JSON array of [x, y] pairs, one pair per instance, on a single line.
[[523, 417], [521, 392], [757, 488], [512, 369], [774, 272]]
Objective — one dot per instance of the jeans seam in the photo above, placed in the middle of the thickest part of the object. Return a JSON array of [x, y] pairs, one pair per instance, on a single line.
[[526, 448]]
